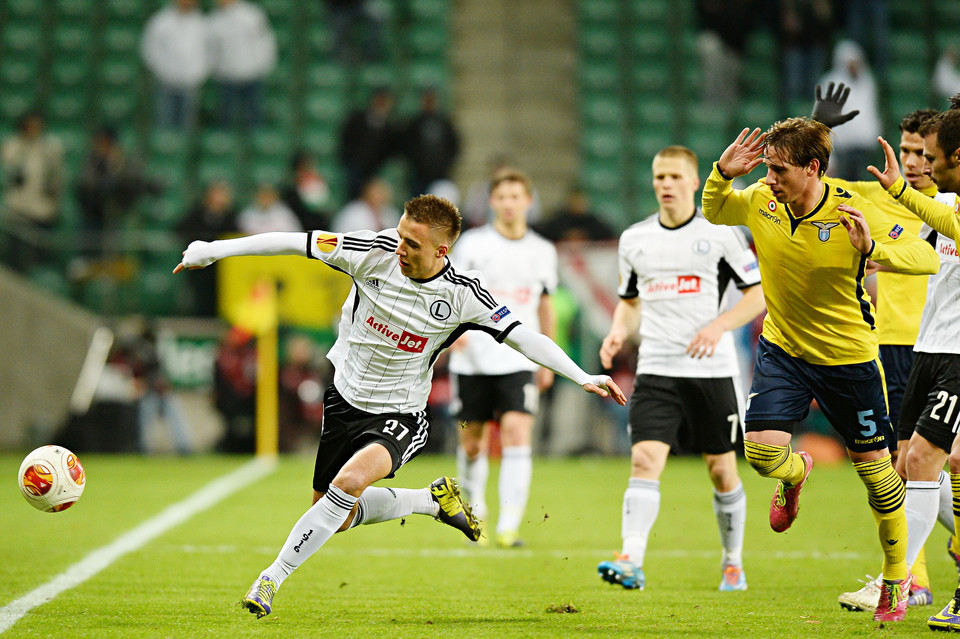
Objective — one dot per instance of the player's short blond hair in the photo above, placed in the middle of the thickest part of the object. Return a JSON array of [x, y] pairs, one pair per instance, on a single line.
[[511, 175], [800, 141], [682, 152], [439, 213]]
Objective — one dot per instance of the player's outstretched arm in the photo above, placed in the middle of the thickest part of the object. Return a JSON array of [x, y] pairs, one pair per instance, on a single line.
[[202, 254], [539, 348], [743, 155], [829, 109]]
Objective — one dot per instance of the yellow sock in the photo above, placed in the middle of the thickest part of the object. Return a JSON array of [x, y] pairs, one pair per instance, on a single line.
[[779, 462], [919, 569], [955, 486], [886, 493]]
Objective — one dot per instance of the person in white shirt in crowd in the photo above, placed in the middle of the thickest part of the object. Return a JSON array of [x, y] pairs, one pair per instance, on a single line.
[[244, 52], [373, 210], [267, 213], [493, 382], [175, 50]]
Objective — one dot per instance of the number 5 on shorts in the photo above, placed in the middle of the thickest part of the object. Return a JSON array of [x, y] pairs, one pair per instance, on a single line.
[[871, 426]]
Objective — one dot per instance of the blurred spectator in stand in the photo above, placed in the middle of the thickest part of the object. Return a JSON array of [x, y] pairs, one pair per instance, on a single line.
[[856, 143], [806, 30], [946, 74], [476, 209], [212, 217], [307, 192], [110, 184], [867, 22], [267, 213], [243, 52], [176, 51], [373, 210], [302, 382], [368, 139], [725, 26], [575, 221], [138, 341], [430, 143], [234, 387], [346, 18], [33, 176]]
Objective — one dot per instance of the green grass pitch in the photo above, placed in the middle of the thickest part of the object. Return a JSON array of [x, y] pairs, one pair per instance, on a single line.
[[421, 579]]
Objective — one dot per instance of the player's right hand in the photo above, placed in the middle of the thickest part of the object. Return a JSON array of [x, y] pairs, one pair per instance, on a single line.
[[198, 255], [891, 170], [744, 154], [604, 386], [611, 345]]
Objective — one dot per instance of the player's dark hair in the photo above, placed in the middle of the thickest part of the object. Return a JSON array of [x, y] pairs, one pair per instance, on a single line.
[[955, 101], [677, 151], [438, 213], [946, 126], [511, 175], [912, 122], [801, 141]]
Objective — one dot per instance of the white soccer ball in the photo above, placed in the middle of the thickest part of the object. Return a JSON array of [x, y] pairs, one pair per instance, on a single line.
[[51, 479]]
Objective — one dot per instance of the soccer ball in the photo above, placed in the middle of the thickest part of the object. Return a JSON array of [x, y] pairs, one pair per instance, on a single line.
[[51, 479]]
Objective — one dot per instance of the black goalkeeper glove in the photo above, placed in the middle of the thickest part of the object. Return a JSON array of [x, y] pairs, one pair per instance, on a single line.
[[828, 110]]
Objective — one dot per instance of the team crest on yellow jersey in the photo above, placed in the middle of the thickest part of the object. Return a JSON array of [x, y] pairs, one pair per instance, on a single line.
[[326, 242], [824, 233]]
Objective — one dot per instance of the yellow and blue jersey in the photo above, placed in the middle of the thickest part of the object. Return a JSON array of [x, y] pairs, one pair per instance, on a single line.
[[817, 307], [900, 298]]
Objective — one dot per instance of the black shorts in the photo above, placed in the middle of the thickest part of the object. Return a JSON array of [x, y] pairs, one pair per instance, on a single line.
[[479, 398], [851, 397], [897, 360], [347, 429], [931, 402], [699, 415]]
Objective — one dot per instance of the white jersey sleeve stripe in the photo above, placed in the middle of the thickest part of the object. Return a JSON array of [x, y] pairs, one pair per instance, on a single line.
[[474, 285]]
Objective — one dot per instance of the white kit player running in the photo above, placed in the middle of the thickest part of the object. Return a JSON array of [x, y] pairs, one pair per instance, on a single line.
[[491, 381], [409, 303], [675, 269]]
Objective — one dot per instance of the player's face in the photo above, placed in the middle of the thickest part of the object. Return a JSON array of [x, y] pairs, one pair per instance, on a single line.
[[675, 184], [911, 160], [787, 181], [420, 252], [510, 201], [941, 167]]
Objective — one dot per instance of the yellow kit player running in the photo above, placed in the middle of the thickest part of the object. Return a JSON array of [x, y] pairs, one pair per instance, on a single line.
[[819, 338], [900, 303]]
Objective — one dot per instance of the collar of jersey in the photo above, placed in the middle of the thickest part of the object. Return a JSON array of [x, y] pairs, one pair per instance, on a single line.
[[795, 221], [682, 224], [446, 266]]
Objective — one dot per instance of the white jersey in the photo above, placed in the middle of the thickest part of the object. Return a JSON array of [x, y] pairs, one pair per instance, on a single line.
[[517, 273], [941, 313], [681, 276], [397, 325]]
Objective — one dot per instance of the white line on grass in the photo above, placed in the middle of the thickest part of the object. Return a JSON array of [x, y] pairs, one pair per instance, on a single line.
[[172, 516]]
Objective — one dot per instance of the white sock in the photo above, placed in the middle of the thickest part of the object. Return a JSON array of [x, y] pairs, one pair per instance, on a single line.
[[731, 511], [313, 530], [516, 471], [945, 512], [923, 498], [378, 504], [641, 504], [473, 473]]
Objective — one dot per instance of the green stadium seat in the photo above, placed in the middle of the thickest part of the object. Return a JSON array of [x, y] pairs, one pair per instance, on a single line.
[[645, 143], [67, 108], [600, 75], [19, 40], [436, 11], [268, 170], [279, 10], [166, 143], [272, 144], [219, 144], [70, 73], [601, 109], [25, 9], [761, 113], [428, 40], [322, 141], [74, 38], [15, 74], [117, 106], [651, 79], [599, 41], [428, 73], [320, 37], [221, 168], [129, 10], [279, 109], [602, 144], [121, 72], [600, 10], [123, 39], [76, 9], [325, 106], [326, 76], [651, 12]]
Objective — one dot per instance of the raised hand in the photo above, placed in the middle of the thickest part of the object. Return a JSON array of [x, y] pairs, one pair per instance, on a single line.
[[743, 155], [829, 109], [891, 171]]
